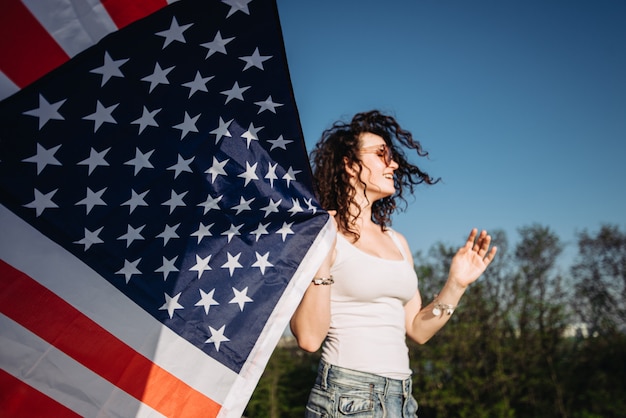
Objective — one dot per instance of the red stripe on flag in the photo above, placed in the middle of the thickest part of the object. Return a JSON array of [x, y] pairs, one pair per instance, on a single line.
[[21, 400], [27, 51], [124, 12], [44, 313]]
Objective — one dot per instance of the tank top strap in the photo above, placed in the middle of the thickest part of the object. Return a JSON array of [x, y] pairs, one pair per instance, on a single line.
[[396, 241]]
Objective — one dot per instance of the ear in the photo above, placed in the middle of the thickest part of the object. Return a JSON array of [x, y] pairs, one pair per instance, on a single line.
[[351, 169]]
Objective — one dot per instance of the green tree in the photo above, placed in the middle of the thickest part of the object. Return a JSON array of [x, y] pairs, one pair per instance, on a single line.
[[600, 280], [597, 374], [461, 372], [284, 387], [539, 317]]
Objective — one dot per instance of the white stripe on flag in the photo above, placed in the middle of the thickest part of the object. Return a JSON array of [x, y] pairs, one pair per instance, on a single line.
[[7, 87], [74, 24], [27, 250], [90, 396]]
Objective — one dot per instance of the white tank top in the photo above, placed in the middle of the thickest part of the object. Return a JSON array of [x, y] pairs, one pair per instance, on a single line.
[[367, 329]]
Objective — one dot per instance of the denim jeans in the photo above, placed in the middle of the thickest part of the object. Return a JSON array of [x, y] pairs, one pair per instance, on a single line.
[[340, 392]]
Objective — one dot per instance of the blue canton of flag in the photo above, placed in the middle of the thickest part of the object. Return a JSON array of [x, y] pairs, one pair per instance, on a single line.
[[169, 159]]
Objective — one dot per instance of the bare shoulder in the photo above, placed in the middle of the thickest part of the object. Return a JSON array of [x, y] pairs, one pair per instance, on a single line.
[[400, 239], [397, 234]]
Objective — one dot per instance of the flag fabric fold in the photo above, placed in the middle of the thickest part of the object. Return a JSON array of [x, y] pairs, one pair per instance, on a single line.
[[158, 221]]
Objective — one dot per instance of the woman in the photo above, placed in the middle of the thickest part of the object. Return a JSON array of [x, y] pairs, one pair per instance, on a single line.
[[364, 300]]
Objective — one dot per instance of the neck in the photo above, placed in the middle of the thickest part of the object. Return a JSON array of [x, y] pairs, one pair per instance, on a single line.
[[363, 215]]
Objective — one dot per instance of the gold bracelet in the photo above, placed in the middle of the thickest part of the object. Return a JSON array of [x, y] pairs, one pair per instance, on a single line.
[[323, 280]]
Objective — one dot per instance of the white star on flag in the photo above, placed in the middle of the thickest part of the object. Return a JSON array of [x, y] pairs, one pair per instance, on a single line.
[[241, 298], [174, 33], [243, 205], [259, 231], [249, 174], [279, 143], [237, 6], [136, 200], [132, 234], [217, 169], [129, 269], [169, 232], [203, 231], [261, 262], [90, 238], [171, 304], [271, 173], [167, 267], [267, 104], [211, 203], [46, 111], [187, 125], [206, 300], [255, 60], [92, 199], [222, 130], [101, 115], [232, 231], [158, 76], [111, 68], [42, 201], [95, 159], [232, 264], [44, 157], [141, 160], [146, 119], [285, 230], [197, 84], [272, 207], [251, 134], [218, 44], [217, 337], [235, 92], [182, 166], [202, 265]]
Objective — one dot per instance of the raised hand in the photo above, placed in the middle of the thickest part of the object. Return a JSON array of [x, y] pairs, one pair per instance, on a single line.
[[471, 260]]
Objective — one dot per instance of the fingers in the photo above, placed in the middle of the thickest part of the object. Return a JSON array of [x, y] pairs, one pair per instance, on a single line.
[[470, 239], [474, 243], [483, 243], [480, 243], [484, 252], [491, 254]]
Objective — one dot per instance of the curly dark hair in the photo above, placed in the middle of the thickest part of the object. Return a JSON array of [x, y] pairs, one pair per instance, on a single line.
[[340, 144]]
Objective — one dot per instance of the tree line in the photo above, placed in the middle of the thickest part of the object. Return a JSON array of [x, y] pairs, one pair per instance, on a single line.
[[528, 339]]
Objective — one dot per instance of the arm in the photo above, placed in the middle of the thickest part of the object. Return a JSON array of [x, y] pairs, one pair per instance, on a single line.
[[311, 320], [467, 265]]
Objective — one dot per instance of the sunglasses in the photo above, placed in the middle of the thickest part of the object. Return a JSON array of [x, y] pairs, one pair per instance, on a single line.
[[382, 151]]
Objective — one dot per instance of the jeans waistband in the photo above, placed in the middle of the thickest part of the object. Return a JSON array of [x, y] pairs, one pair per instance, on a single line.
[[329, 374]]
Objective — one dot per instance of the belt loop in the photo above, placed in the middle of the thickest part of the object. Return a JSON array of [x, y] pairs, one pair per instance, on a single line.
[[325, 371], [406, 387]]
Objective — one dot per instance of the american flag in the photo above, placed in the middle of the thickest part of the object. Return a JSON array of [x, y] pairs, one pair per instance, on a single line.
[[157, 222]]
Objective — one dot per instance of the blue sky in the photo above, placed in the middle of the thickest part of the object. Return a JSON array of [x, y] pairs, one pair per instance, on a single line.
[[521, 104]]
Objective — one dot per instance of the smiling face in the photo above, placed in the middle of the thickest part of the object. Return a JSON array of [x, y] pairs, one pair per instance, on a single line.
[[378, 167]]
